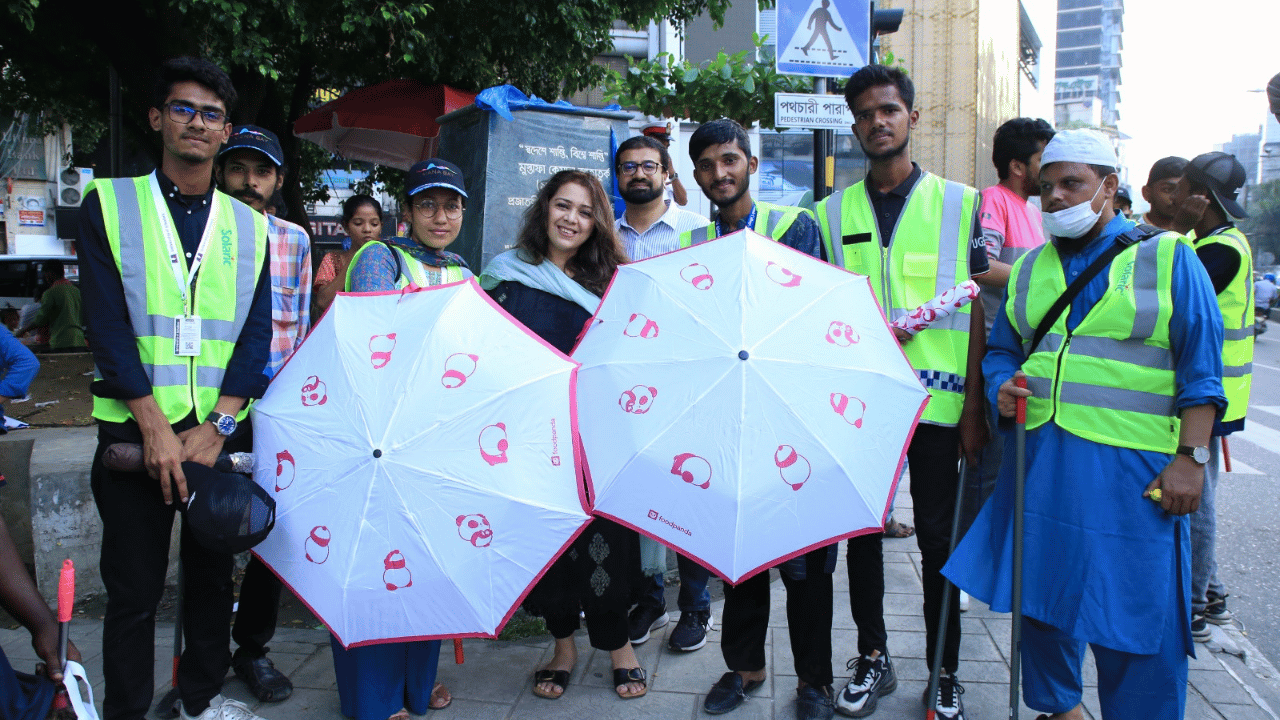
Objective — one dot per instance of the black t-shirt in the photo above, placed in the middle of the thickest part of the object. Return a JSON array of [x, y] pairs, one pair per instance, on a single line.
[[888, 206]]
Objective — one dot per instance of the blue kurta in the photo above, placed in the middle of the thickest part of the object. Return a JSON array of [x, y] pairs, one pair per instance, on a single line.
[[1101, 563]]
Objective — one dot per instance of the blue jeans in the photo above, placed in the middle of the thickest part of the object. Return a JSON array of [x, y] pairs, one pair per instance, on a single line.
[[1204, 530], [693, 587]]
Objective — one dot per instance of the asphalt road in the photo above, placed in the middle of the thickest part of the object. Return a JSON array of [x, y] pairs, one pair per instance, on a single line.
[[1248, 521]]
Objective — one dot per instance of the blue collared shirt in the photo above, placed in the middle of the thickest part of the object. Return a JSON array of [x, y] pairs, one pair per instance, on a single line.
[[803, 235]]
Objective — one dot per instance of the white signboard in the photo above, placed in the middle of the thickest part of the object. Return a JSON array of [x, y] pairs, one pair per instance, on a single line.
[[823, 38], [811, 112]]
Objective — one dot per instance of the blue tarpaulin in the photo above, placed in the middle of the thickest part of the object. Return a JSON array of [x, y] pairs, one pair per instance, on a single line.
[[502, 99]]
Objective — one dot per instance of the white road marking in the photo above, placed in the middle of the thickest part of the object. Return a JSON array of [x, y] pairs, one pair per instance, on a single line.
[[1259, 434], [1268, 367]]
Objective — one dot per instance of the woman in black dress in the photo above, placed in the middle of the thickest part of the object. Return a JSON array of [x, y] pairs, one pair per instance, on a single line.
[[552, 282]]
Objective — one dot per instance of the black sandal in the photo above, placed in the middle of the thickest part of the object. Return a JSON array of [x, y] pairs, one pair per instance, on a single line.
[[559, 678], [626, 676]]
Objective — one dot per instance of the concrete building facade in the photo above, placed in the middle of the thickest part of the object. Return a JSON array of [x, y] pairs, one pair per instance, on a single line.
[[1087, 77]]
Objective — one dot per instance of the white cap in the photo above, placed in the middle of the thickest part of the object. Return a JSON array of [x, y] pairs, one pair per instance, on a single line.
[[1081, 146]]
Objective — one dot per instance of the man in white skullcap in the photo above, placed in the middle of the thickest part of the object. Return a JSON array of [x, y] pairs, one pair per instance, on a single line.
[[1124, 383]]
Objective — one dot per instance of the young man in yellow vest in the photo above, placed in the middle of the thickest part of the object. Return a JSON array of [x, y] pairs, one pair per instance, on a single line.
[[1213, 180], [915, 235], [177, 304], [723, 165], [1122, 390], [251, 169]]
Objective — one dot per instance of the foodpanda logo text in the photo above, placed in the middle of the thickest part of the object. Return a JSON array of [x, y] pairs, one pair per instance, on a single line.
[[655, 515]]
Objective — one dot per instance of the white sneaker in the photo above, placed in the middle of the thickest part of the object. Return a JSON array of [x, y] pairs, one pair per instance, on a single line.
[[964, 601], [221, 708]]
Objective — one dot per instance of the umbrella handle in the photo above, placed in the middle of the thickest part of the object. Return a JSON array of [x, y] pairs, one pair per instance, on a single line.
[[66, 599], [1021, 418], [457, 651]]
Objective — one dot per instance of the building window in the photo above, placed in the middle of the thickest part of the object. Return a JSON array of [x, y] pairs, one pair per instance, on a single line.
[[1079, 19], [1028, 47]]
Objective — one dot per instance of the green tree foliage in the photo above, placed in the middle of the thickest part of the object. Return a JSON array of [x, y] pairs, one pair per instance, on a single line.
[[733, 86], [1263, 224], [56, 54]]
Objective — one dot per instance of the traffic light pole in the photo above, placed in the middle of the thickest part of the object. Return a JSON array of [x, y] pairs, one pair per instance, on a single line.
[[824, 160]]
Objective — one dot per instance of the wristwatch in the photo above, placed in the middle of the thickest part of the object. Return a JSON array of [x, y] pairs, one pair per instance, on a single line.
[[224, 424], [1198, 454]]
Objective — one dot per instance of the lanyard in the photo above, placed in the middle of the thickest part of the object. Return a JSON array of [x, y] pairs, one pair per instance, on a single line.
[[750, 222], [169, 230]]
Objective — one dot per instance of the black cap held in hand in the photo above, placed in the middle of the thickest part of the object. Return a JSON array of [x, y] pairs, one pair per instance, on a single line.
[[227, 512]]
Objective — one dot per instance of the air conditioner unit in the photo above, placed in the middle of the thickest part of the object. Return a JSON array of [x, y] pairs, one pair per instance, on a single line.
[[72, 183]]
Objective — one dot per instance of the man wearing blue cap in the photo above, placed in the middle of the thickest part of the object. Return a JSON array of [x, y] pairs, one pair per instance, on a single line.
[[1123, 384], [250, 168]]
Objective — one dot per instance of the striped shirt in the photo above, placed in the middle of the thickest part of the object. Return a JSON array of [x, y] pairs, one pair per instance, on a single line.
[[290, 250], [662, 236]]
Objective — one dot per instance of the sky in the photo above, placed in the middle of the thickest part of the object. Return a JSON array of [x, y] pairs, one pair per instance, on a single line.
[[1187, 69]]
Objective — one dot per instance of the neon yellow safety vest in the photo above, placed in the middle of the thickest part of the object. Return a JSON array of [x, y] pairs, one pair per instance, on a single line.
[[1111, 379], [224, 289], [1236, 304], [771, 221], [927, 254], [416, 271]]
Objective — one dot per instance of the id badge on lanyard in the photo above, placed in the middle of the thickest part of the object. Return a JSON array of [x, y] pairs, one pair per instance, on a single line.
[[186, 327]]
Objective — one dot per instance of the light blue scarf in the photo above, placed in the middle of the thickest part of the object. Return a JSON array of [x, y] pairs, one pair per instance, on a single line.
[[544, 276]]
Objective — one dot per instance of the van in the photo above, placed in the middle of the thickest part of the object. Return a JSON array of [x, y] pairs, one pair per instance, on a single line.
[[20, 276]]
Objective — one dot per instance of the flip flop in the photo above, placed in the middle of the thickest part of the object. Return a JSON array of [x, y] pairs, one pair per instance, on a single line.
[[439, 692], [626, 676], [896, 529], [559, 678]]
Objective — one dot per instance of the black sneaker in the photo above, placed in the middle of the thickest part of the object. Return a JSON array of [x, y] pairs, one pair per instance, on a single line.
[[690, 633], [643, 619], [1216, 610], [1199, 630], [948, 705], [870, 680]]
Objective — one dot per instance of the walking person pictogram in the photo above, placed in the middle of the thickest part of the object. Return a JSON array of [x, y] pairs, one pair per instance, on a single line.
[[818, 20]]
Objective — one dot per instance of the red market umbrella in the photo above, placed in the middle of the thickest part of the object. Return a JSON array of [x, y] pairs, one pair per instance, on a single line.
[[391, 123]]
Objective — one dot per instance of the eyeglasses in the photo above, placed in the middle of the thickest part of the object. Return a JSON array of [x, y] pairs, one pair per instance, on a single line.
[[648, 166], [452, 209], [184, 114]]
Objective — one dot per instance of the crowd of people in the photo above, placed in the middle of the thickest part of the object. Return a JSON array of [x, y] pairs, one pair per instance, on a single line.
[[1134, 340]]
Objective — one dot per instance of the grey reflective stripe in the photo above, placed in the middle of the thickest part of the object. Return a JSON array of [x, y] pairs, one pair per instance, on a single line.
[[1132, 351], [835, 229], [247, 268], [1146, 294], [210, 377], [1041, 388], [949, 236], [162, 326], [1051, 342], [1243, 333], [710, 234], [1121, 399], [774, 217], [1237, 370], [1022, 289], [168, 375], [133, 255]]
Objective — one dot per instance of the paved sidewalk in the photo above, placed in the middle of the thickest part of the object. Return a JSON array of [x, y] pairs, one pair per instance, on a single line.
[[1229, 680]]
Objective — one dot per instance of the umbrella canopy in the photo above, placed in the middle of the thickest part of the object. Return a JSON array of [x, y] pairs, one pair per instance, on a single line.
[[391, 123], [743, 403], [420, 447]]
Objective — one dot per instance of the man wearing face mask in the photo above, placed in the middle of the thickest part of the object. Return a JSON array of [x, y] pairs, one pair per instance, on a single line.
[[1124, 383]]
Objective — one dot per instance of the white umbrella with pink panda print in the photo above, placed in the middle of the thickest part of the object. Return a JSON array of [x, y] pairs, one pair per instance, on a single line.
[[420, 447], [742, 402]]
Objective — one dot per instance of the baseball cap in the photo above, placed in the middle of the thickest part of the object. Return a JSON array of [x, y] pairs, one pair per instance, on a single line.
[[226, 512], [434, 173], [1080, 146], [1167, 167], [1223, 175], [1122, 193], [253, 137], [657, 130]]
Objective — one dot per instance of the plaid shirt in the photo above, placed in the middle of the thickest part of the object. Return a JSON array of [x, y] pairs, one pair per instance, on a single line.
[[290, 249]]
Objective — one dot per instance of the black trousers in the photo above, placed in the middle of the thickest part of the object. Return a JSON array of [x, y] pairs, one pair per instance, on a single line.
[[809, 606], [259, 609], [596, 574], [135, 557], [933, 459]]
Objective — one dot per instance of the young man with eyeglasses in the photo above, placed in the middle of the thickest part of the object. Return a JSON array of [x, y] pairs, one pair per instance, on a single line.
[[177, 307], [651, 226]]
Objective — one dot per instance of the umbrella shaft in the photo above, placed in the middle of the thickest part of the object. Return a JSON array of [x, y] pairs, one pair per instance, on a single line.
[[63, 636], [1019, 509]]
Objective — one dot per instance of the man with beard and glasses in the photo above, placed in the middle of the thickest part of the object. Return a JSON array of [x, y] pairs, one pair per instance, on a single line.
[[652, 223], [250, 168], [914, 234], [177, 309], [723, 165]]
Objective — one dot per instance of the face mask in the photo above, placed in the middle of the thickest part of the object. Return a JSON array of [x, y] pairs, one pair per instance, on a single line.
[[1073, 221]]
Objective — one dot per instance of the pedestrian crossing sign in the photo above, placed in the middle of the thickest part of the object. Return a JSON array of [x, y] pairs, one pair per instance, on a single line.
[[823, 38]]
